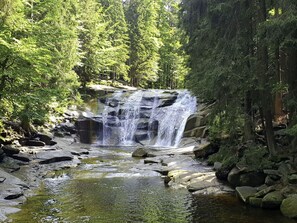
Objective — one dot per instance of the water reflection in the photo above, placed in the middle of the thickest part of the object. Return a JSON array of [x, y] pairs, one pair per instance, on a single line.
[[107, 190]]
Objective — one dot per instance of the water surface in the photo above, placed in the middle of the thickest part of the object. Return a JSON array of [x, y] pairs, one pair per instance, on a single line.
[[117, 188]]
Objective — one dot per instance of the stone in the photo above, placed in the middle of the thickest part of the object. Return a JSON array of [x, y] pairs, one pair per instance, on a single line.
[[217, 165], [234, 177], [293, 179], [255, 202], [245, 192], [263, 191], [270, 181], [289, 206], [47, 139], [222, 173], [195, 121], [22, 157], [253, 179], [32, 142], [196, 132], [140, 152], [2, 154], [53, 157], [272, 200], [10, 150], [205, 150]]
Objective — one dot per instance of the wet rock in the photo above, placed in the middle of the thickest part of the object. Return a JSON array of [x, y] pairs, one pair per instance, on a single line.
[[245, 192], [14, 196], [272, 200], [195, 121], [10, 150], [31, 142], [6, 211], [141, 135], [140, 152], [265, 190], [54, 156], [289, 207], [88, 129], [22, 157]]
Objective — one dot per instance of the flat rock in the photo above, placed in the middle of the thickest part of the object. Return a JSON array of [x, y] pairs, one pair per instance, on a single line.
[[245, 192], [6, 211], [54, 156]]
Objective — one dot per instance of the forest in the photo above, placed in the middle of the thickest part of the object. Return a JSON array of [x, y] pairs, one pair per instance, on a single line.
[[241, 54]]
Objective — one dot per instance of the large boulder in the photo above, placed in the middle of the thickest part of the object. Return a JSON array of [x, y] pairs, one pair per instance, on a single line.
[[289, 206], [237, 177], [195, 121], [140, 152], [205, 150], [88, 129], [234, 177], [272, 200]]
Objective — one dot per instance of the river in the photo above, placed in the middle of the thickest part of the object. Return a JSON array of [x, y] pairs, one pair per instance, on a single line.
[[114, 187]]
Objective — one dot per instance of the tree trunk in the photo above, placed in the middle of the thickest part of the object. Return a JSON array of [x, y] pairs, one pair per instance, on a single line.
[[264, 78]]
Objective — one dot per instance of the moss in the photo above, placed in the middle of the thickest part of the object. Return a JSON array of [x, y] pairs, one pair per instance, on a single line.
[[226, 155]]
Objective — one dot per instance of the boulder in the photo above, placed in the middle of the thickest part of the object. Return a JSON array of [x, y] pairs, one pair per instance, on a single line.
[[253, 179], [205, 150], [88, 129], [272, 200], [195, 121], [222, 173], [255, 202], [10, 150], [289, 206], [140, 152], [245, 192], [293, 179], [47, 139], [217, 165], [234, 177]]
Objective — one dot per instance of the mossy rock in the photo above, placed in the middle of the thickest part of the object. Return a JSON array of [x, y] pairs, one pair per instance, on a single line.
[[289, 207], [272, 200]]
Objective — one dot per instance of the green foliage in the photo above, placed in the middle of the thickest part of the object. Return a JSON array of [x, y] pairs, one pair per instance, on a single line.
[[144, 41], [226, 155]]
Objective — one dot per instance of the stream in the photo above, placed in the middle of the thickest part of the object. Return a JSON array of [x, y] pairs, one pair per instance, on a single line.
[[114, 187]]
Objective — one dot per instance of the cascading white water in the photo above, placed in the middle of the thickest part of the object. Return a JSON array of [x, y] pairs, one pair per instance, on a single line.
[[150, 117], [172, 119]]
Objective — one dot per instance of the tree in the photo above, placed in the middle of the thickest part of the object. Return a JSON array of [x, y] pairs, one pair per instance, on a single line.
[[144, 41], [172, 62], [118, 36]]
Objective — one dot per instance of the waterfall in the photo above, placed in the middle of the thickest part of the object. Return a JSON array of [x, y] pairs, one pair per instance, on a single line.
[[149, 117]]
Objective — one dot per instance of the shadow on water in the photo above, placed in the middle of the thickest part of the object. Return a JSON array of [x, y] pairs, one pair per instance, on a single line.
[[110, 189]]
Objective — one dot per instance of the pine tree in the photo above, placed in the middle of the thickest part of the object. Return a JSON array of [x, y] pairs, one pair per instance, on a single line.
[[144, 41], [118, 36]]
